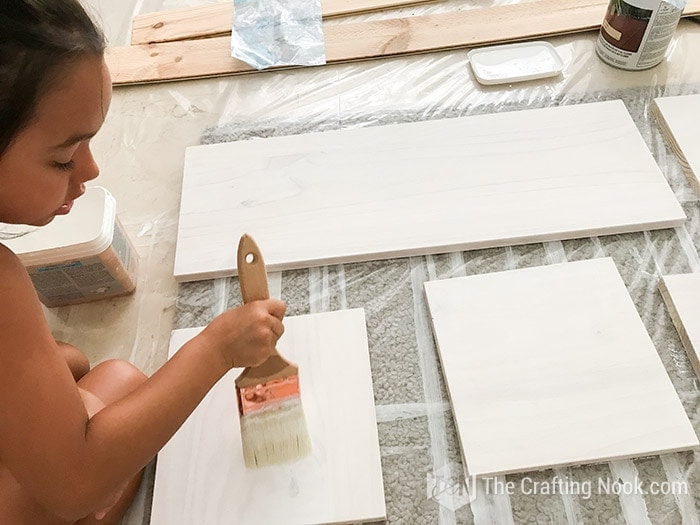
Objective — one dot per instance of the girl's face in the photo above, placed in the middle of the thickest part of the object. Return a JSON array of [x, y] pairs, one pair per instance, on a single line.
[[47, 164]]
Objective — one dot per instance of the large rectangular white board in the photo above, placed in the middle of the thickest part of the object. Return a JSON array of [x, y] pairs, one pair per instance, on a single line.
[[679, 119], [682, 296], [552, 366], [200, 474], [418, 188]]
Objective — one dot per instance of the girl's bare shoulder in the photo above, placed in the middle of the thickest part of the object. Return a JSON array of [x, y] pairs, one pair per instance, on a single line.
[[12, 272], [8, 260], [18, 299]]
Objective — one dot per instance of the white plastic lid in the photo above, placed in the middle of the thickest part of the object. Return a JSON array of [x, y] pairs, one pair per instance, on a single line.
[[86, 231], [515, 62]]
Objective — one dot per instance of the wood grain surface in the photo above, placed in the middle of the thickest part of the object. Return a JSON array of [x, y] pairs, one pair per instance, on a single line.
[[200, 474], [426, 187], [679, 119], [681, 294], [207, 21], [548, 351]]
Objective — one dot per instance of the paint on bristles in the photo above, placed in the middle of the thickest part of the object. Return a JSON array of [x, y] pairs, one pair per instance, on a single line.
[[273, 424]]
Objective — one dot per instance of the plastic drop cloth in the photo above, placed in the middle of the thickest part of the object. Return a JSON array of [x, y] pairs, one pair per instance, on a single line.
[[141, 151]]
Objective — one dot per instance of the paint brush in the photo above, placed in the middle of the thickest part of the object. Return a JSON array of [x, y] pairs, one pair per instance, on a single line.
[[273, 425]]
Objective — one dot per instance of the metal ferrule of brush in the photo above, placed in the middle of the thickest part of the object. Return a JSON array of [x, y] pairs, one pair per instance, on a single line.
[[267, 396]]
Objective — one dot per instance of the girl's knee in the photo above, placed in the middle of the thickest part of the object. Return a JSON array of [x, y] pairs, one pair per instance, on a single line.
[[78, 363], [112, 379], [122, 372]]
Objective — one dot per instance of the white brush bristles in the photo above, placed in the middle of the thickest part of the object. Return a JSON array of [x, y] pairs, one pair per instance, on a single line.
[[275, 435]]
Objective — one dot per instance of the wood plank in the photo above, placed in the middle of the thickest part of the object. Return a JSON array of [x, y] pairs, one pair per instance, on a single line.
[[552, 350], [679, 119], [681, 294], [419, 188], [200, 474], [207, 21], [211, 57]]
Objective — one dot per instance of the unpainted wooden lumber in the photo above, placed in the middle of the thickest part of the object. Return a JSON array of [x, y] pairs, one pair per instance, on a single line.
[[211, 57], [215, 20]]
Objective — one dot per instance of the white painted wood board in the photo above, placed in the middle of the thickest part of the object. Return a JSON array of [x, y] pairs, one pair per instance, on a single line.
[[682, 296], [552, 351], [679, 118], [200, 475], [419, 188]]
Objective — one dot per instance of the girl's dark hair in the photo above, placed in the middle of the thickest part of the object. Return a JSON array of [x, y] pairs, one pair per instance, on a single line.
[[37, 39]]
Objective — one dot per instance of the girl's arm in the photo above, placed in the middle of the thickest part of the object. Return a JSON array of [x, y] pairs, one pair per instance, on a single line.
[[70, 463]]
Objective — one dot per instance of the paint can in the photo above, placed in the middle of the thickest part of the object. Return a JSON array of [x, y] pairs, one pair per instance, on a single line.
[[635, 34], [80, 257]]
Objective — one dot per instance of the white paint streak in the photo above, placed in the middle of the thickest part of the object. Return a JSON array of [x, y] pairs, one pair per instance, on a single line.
[[221, 291], [491, 509], [274, 283], [511, 260], [457, 262], [341, 287], [634, 508], [315, 290], [401, 451], [678, 479], [655, 255], [325, 295], [599, 251], [571, 506], [689, 248], [555, 252], [387, 413]]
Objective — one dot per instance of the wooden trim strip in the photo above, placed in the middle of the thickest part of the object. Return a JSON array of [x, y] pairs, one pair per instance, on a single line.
[[215, 20], [211, 57]]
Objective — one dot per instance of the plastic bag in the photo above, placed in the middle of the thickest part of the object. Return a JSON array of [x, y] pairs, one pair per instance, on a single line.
[[269, 33]]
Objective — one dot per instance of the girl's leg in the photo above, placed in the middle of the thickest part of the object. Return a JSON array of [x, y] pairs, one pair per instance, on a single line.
[[115, 514], [77, 362], [105, 384]]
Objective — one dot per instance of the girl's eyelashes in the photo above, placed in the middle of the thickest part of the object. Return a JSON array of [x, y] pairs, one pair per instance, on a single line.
[[64, 166]]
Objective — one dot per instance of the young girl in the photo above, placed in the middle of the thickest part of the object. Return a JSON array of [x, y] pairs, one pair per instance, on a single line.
[[73, 440]]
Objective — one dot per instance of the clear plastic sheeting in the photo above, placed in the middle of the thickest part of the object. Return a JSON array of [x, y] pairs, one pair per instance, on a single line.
[[141, 152], [268, 33]]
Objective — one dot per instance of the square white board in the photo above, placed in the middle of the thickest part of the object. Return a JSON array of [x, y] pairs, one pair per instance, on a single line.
[[682, 296], [200, 474], [424, 187], [552, 366]]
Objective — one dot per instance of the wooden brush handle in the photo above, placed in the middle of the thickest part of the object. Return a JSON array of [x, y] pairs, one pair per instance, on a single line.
[[251, 271], [253, 280]]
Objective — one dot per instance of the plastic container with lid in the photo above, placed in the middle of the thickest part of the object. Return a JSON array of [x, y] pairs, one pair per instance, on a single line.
[[80, 257]]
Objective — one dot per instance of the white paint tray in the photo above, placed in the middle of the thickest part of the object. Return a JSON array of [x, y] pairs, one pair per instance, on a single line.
[[515, 62]]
